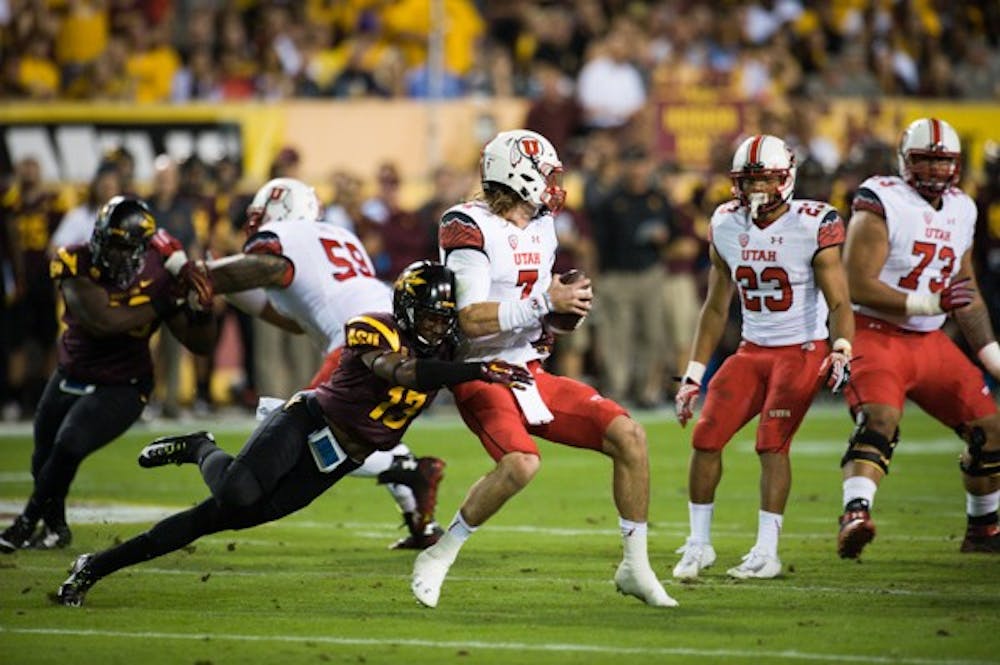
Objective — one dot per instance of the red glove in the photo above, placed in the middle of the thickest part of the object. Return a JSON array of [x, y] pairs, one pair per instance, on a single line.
[[957, 294], [499, 371], [685, 399], [171, 250], [196, 281]]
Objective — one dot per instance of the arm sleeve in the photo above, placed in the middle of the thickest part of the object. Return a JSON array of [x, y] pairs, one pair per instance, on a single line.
[[472, 272]]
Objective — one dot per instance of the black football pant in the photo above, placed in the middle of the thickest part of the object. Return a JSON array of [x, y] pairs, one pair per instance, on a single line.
[[274, 475], [70, 424]]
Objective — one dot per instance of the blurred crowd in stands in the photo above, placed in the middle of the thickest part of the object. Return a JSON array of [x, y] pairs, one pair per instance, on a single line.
[[637, 223], [233, 50]]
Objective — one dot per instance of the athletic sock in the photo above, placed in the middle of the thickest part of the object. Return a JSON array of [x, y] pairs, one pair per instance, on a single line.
[[768, 530], [860, 487], [700, 518]]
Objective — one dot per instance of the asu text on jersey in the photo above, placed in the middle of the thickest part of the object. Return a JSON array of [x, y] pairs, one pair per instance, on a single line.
[[370, 408]]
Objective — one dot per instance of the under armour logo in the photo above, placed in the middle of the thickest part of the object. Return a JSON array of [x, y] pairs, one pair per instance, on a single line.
[[777, 240], [536, 239]]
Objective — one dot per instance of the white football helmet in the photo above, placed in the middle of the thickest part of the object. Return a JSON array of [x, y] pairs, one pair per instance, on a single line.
[[930, 156], [280, 200], [758, 157], [527, 163]]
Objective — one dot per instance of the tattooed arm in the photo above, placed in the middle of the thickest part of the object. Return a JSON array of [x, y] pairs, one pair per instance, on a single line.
[[248, 271]]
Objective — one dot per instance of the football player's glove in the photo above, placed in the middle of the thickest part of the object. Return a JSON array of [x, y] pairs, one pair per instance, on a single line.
[[957, 294], [196, 282], [687, 395], [170, 249], [499, 371], [836, 369]]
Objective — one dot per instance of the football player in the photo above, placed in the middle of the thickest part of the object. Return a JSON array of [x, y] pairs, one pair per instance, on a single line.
[[782, 256], [909, 258], [118, 289], [391, 369], [502, 249], [310, 277]]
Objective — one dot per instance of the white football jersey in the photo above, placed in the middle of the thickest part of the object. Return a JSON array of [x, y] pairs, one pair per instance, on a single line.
[[332, 277], [773, 272], [520, 264], [926, 246]]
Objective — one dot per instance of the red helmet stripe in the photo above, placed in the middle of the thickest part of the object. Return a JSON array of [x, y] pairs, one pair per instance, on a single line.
[[935, 132], [754, 155]]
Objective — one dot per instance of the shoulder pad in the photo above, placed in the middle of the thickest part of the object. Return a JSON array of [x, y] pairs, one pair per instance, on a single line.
[[726, 208], [374, 331], [66, 263], [866, 199], [263, 242], [460, 231], [831, 230]]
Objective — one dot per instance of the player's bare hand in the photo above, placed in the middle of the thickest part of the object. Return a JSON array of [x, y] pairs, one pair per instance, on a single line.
[[499, 371], [571, 293]]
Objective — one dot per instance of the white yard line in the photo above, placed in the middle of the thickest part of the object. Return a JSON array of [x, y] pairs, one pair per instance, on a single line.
[[520, 647], [706, 582]]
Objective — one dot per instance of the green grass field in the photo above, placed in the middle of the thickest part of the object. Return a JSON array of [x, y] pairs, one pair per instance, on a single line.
[[534, 585]]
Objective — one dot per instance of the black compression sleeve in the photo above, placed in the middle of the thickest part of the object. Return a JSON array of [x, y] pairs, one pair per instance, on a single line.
[[432, 374]]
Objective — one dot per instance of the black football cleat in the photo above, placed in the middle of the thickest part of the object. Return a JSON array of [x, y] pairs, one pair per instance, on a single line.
[[18, 535], [72, 592], [981, 538], [174, 449], [51, 537]]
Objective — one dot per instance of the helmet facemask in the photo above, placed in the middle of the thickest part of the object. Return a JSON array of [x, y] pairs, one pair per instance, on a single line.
[[763, 175], [930, 157]]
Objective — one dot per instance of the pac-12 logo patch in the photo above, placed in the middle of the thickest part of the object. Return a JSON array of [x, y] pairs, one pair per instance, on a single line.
[[744, 239]]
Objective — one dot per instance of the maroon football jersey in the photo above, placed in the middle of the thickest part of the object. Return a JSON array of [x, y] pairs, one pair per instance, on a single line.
[[367, 407], [115, 359]]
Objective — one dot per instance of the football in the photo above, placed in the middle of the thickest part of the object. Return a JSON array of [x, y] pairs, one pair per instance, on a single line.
[[563, 323]]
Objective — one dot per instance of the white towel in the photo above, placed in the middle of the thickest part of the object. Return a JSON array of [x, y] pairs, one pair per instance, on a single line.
[[532, 405], [266, 405]]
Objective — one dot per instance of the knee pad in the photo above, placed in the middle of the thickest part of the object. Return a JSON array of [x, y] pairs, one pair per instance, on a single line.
[[862, 436], [240, 487], [978, 462]]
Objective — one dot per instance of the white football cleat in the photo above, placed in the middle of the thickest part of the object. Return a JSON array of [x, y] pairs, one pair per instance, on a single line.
[[756, 565], [642, 583], [695, 557], [429, 572]]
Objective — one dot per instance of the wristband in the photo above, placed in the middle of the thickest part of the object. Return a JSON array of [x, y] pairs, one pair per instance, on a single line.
[[514, 314], [841, 345], [175, 262], [923, 305], [251, 301], [695, 372], [989, 355]]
